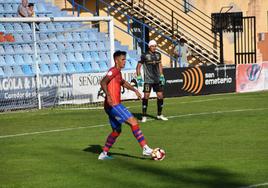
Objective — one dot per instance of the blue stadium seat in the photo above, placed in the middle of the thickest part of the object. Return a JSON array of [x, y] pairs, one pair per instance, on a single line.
[[79, 57], [103, 66], [85, 46], [95, 67], [2, 61], [87, 67], [9, 60], [60, 46], [128, 65], [18, 37], [27, 37], [18, 59], [103, 56], [27, 70], [77, 47], [76, 37], [18, 27], [44, 69], [1, 8], [42, 27], [84, 36], [95, 56], [59, 27], [100, 46], [60, 37], [2, 50], [50, 27], [62, 68], [93, 46], [45, 58], [54, 69], [44, 48], [54, 58], [27, 48], [9, 49], [43, 37], [87, 56], [18, 71], [68, 37], [52, 47], [8, 71], [52, 37], [40, 7], [28, 59], [1, 72], [18, 49], [70, 57], [92, 36], [62, 58], [26, 27], [78, 67], [8, 7], [68, 46], [34, 69], [2, 28], [70, 68]]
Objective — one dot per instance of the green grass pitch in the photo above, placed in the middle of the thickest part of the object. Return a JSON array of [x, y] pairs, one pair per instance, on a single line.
[[214, 141]]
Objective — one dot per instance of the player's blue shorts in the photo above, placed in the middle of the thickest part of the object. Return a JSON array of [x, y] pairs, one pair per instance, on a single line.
[[117, 115]]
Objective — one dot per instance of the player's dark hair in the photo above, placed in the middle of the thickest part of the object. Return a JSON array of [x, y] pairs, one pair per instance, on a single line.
[[119, 53]]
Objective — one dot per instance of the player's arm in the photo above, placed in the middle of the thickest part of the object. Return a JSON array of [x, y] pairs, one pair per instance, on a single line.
[[138, 69], [104, 85], [127, 85], [162, 78]]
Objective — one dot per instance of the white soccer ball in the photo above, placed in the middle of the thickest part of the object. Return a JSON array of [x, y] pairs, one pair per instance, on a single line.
[[158, 154]]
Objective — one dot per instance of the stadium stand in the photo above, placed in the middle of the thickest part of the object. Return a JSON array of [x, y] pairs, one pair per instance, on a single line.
[[59, 52]]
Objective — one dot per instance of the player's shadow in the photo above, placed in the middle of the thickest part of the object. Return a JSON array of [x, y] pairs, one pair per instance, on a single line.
[[139, 116], [97, 149]]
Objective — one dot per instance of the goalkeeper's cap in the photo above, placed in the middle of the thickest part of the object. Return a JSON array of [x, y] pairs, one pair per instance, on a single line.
[[152, 43]]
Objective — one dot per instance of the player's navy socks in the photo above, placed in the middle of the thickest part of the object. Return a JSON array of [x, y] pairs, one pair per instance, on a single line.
[[138, 134], [144, 106], [110, 141], [160, 103]]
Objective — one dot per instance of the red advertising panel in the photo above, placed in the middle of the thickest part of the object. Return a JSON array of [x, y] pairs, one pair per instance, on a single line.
[[251, 77]]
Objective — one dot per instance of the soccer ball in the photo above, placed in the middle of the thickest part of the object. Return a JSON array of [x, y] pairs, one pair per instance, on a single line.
[[158, 154]]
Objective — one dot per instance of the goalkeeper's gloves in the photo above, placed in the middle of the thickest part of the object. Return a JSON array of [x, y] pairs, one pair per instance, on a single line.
[[162, 79], [140, 80]]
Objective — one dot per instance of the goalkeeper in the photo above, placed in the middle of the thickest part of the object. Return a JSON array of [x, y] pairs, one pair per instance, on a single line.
[[153, 78]]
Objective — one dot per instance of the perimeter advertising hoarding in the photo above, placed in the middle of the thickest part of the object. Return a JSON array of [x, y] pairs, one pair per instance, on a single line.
[[21, 92], [200, 80], [252, 77]]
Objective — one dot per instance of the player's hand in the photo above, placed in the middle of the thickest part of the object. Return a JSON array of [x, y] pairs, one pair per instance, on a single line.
[[140, 80], [138, 94], [162, 79]]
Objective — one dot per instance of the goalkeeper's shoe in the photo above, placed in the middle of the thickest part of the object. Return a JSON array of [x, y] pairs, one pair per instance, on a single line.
[[147, 151], [161, 117], [143, 119], [104, 156]]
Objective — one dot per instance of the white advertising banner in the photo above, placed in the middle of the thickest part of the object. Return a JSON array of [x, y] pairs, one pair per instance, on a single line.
[[89, 84]]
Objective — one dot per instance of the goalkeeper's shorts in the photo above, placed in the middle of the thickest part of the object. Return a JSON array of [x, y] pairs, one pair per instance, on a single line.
[[157, 87]]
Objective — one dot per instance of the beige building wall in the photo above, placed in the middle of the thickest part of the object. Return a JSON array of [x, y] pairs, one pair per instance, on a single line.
[[258, 8]]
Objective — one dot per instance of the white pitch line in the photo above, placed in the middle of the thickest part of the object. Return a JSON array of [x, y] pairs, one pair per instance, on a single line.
[[256, 185], [102, 125], [51, 131]]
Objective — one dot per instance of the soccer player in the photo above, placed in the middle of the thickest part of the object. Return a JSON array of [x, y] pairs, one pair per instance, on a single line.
[[153, 78], [118, 113]]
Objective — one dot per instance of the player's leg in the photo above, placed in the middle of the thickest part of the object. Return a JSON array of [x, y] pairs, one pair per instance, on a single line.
[[160, 102], [147, 91], [122, 114], [116, 130], [132, 121]]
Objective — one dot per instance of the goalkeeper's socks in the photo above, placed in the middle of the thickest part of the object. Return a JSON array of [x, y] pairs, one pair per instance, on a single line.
[[138, 135], [160, 103], [110, 141], [144, 106]]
